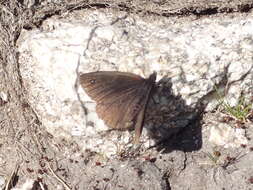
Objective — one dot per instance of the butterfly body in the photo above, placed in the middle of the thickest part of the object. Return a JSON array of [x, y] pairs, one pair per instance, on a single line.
[[121, 97]]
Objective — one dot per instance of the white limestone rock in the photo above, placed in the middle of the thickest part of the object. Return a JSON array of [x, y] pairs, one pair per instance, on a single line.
[[195, 56]]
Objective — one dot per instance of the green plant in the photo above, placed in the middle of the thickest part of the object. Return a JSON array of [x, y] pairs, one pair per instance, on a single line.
[[240, 112], [214, 158]]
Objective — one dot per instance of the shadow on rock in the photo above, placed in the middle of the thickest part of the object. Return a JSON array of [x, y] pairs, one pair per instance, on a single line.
[[173, 124]]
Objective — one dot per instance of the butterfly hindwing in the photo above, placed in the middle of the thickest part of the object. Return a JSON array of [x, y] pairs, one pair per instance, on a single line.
[[123, 109]]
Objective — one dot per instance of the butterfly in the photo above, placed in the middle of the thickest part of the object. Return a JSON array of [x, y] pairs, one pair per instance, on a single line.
[[121, 97]]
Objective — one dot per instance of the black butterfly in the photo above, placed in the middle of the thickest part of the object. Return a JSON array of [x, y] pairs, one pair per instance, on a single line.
[[121, 97]]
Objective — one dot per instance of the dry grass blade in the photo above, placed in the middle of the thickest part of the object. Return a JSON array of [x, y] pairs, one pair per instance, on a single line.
[[10, 181], [58, 178]]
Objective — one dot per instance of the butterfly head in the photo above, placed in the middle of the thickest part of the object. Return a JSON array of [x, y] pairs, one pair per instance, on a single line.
[[152, 77]]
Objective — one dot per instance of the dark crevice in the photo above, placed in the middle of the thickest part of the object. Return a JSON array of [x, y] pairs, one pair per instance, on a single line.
[[198, 11], [58, 11], [208, 11], [165, 177], [245, 8], [192, 10]]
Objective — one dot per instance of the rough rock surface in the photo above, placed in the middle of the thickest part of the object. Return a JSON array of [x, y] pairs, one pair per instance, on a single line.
[[197, 61]]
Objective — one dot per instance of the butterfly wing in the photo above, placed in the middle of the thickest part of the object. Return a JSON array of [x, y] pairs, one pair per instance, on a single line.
[[121, 97]]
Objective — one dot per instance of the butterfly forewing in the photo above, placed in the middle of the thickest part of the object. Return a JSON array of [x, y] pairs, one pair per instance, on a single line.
[[121, 97], [103, 84]]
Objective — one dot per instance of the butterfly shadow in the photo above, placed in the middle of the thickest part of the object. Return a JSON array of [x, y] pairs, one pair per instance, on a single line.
[[170, 122]]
